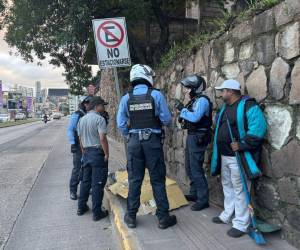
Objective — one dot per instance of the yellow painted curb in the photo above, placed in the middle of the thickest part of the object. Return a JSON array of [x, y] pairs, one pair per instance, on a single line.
[[125, 236]]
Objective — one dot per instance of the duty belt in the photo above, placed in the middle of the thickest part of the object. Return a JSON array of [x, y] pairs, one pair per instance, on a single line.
[[144, 135], [96, 147], [198, 131]]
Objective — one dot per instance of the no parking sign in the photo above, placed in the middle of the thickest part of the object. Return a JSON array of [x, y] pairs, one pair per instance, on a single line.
[[111, 42]]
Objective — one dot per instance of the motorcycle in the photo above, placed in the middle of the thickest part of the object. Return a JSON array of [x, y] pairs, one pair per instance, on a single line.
[[45, 119]]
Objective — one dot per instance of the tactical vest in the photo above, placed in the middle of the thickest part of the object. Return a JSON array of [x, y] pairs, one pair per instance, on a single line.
[[205, 122], [80, 114], [142, 111]]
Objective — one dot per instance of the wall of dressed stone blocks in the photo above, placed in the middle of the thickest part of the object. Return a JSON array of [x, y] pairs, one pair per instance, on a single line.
[[263, 53]]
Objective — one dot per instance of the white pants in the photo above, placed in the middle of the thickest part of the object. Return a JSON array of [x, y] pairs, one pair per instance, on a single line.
[[234, 195]]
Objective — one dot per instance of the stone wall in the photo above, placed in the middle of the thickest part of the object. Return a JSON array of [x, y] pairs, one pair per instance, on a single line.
[[263, 53]]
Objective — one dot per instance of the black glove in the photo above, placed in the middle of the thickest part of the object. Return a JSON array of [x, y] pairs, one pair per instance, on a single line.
[[105, 115], [182, 123], [74, 148], [178, 105]]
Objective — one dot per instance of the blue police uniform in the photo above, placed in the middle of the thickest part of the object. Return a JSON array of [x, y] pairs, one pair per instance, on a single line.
[[146, 111], [197, 116], [77, 155]]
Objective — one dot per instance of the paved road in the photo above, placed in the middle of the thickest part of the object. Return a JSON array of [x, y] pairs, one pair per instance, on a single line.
[[9, 134], [35, 210]]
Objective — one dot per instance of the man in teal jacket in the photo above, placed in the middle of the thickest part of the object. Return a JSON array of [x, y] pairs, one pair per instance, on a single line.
[[248, 126]]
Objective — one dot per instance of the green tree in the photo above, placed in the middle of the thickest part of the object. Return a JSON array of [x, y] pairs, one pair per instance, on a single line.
[[2, 10], [1, 6], [62, 29]]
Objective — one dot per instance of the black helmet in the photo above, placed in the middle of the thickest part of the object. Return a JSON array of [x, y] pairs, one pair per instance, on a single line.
[[194, 82]]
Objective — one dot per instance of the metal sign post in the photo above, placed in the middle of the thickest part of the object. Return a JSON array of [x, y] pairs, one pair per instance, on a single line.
[[117, 84]]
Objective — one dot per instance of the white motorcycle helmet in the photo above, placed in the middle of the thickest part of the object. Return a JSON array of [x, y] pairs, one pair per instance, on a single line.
[[140, 71]]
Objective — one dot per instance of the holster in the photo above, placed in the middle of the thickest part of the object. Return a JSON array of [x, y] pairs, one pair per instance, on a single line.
[[144, 135]]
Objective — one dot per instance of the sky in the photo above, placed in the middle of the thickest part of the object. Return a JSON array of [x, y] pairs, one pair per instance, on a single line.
[[14, 70]]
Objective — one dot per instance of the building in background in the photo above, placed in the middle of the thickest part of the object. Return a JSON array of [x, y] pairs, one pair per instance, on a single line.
[[59, 97], [38, 92], [15, 99], [73, 103], [1, 97], [44, 95], [205, 12], [25, 91], [58, 92]]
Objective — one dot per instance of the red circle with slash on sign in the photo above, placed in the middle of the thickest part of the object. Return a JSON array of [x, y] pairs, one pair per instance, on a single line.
[[116, 41]]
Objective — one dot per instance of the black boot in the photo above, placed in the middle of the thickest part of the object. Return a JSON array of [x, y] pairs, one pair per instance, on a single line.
[[217, 220], [190, 197], [167, 221], [198, 206], [101, 215], [130, 221], [235, 233], [82, 211], [73, 196]]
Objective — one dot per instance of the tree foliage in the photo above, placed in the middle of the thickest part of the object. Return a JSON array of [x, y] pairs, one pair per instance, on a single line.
[[63, 30], [2, 10], [1, 6]]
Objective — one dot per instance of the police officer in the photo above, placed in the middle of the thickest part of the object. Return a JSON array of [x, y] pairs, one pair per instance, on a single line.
[[196, 117], [74, 141], [141, 115], [92, 130]]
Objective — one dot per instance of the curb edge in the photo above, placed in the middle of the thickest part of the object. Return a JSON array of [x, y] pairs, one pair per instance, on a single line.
[[127, 239]]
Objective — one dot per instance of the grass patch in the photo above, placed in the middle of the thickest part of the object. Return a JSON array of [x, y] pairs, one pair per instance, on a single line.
[[255, 6], [13, 123]]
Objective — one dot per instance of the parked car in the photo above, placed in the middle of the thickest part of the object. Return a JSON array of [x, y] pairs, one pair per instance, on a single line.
[[4, 117], [56, 116], [20, 116]]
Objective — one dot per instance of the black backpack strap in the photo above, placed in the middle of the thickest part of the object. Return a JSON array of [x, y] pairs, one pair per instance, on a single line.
[[209, 101], [149, 92], [253, 102], [130, 93], [210, 107]]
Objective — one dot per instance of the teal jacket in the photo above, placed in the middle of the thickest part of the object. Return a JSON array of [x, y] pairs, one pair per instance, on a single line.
[[252, 128]]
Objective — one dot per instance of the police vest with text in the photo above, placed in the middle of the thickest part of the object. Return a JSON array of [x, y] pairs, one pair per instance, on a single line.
[[204, 123], [142, 111]]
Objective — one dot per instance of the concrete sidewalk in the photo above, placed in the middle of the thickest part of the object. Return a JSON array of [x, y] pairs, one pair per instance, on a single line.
[[193, 231], [48, 219]]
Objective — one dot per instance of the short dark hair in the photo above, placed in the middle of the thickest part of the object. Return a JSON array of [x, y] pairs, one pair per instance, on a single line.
[[235, 91]]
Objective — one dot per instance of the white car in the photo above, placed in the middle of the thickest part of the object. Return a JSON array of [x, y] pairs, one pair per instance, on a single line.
[[4, 117], [56, 116], [20, 116]]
